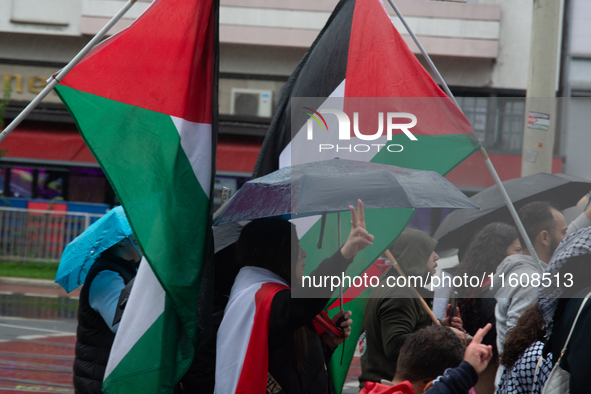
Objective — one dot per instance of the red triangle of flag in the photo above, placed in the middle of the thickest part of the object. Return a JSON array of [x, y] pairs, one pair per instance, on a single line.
[[380, 64], [163, 62]]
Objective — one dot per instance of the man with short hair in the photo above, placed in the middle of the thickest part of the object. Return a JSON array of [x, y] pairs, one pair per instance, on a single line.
[[546, 228], [431, 352]]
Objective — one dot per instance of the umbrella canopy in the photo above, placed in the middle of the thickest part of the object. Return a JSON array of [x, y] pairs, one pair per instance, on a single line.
[[80, 254], [226, 235], [332, 185], [459, 226]]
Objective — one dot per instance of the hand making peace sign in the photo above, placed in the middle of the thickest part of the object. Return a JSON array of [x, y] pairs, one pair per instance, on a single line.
[[359, 238]]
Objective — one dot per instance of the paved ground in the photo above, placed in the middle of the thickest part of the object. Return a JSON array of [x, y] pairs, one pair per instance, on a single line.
[[36, 355], [23, 329], [37, 337]]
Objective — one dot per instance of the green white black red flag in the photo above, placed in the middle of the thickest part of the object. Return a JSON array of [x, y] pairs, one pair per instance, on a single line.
[[144, 102], [360, 54]]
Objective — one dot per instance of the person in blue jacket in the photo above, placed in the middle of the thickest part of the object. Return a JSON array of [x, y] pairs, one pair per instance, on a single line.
[[109, 274]]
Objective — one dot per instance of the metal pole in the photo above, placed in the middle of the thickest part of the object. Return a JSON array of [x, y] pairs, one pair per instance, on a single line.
[[339, 240], [509, 204], [395, 264], [483, 153], [56, 78]]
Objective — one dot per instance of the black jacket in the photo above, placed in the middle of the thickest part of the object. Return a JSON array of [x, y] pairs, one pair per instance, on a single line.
[[479, 311], [576, 359], [94, 338], [290, 314]]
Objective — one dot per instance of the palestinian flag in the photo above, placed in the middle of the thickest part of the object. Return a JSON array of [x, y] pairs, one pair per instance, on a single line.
[[360, 64], [145, 102]]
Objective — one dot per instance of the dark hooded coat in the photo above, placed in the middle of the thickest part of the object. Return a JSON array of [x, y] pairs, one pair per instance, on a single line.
[[393, 313], [94, 338]]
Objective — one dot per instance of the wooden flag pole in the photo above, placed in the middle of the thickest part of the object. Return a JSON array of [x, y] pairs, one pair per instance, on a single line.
[[57, 77], [482, 151], [427, 309]]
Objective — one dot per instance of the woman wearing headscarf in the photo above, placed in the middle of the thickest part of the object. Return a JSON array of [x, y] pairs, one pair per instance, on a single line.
[[268, 340], [393, 313]]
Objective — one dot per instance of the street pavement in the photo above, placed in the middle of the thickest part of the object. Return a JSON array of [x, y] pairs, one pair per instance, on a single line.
[[38, 335]]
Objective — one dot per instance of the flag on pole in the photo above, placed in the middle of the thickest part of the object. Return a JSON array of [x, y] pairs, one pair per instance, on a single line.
[[360, 54], [145, 102]]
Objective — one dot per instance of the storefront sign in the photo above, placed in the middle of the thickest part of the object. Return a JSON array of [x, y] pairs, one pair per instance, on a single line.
[[27, 81]]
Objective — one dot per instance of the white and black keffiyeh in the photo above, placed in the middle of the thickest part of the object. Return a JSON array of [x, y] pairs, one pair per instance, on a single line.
[[520, 378], [576, 244]]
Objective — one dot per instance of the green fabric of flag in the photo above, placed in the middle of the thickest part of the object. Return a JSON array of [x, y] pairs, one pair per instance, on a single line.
[[144, 102], [359, 55]]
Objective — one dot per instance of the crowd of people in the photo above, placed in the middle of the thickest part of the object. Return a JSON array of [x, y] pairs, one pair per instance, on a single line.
[[523, 338]]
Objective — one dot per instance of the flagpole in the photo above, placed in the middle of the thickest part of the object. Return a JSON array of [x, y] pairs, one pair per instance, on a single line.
[[57, 77], [395, 264], [482, 151]]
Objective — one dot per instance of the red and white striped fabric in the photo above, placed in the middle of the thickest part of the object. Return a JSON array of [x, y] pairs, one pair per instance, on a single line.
[[242, 359]]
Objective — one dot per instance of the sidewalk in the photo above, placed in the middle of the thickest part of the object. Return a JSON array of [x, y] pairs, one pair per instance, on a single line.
[[47, 288], [36, 345], [34, 287]]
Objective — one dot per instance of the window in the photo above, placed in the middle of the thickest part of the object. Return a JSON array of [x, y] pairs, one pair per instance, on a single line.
[[497, 121]]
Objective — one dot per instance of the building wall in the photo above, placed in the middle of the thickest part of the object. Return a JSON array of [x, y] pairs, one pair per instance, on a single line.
[[511, 66], [481, 46], [578, 143], [580, 64], [577, 120]]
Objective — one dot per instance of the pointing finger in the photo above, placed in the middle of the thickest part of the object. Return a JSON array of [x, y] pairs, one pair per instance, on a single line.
[[480, 334]]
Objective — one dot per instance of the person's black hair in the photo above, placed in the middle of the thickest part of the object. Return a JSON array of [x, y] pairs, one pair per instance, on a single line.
[[537, 217], [269, 243], [427, 353], [487, 250]]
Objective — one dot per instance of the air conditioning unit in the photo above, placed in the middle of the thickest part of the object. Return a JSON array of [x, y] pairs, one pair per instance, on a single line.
[[251, 102]]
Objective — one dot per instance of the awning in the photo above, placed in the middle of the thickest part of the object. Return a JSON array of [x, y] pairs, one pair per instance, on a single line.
[[234, 155], [52, 145]]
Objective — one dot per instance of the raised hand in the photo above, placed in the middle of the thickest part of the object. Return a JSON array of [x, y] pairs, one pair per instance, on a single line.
[[455, 322], [333, 342], [477, 354], [359, 238]]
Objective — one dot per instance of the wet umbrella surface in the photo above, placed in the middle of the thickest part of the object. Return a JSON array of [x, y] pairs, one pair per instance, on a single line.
[[459, 226], [332, 185]]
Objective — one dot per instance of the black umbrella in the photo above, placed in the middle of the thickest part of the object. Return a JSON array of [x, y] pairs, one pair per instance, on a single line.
[[332, 185], [458, 227]]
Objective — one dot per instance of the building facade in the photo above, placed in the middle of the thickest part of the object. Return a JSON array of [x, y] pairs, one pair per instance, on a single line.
[[576, 88], [480, 47]]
